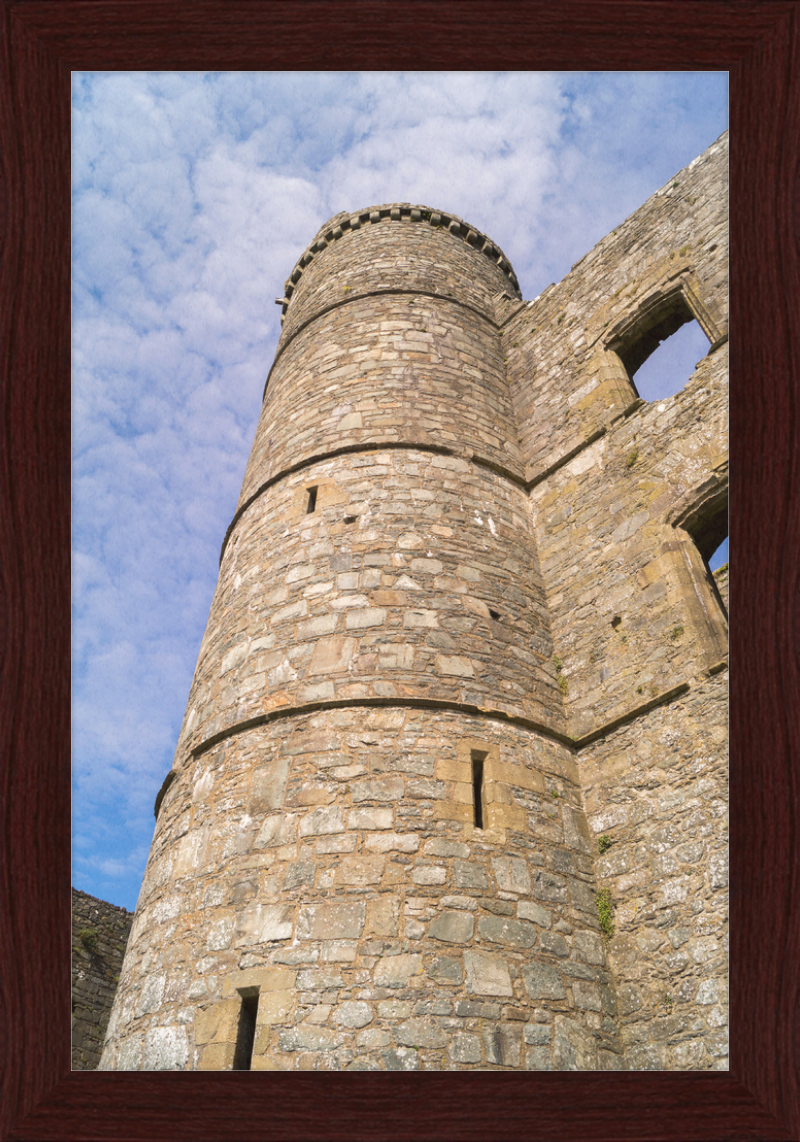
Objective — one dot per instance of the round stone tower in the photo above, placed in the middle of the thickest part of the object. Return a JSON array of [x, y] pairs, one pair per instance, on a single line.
[[370, 852]]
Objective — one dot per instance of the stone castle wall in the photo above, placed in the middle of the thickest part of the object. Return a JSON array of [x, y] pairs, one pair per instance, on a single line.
[[99, 936], [463, 629]]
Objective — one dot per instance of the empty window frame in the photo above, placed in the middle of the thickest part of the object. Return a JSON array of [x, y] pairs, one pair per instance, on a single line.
[[655, 321], [705, 520]]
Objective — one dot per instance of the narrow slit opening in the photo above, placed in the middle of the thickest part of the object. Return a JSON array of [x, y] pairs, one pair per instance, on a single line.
[[246, 1031], [478, 759], [494, 614], [350, 518], [311, 503]]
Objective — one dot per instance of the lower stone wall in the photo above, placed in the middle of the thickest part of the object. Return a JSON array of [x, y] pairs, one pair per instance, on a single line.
[[655, 793], [99, 935], [330, 864]]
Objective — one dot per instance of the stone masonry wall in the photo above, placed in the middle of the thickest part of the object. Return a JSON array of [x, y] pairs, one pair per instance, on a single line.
[[99, 936], [632, 610], [331, 860], [656, 789]]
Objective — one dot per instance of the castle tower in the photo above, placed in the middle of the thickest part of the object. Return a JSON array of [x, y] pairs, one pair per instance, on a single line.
[[372, 851]]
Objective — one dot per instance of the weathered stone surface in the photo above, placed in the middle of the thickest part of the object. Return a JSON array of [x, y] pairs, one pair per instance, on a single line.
[[465, 1048], [511, 874], [331, 921], [396, 971], [512, 933], [420, 1033], [543, 981], [353, 1014], [574, 1048], [487, 974], [452, 927]]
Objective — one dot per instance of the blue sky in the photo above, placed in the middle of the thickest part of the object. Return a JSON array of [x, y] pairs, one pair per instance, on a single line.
[[193, 195]]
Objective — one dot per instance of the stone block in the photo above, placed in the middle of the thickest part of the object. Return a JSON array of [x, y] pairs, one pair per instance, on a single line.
[[574, 1048], [420, 1033], [331, 921], [527, 910], [353, 1014], [452, 927], [378, 789], [392, 842], [360, 871], [455, 666], [543, 981], [487, 974], [511, 874], [264, 923], [384, 913], [323, 820], [511, 933], [370, 818], [309, 1038], [218, 1022], [165, 1049], [396, 971], [367, 617], [464, 1048]]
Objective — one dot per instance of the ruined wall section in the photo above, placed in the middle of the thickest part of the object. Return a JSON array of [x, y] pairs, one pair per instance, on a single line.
[[656, 790], [330, 860], [566, 376], [99, 937], [632, 607]]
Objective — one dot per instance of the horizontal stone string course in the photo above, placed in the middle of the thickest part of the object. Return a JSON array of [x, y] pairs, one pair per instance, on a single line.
[[361, 296], [385, 703]]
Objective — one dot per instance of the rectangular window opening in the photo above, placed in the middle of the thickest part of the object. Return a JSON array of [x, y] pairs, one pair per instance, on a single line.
[[312, 500], [478, 759], [246, 1031]]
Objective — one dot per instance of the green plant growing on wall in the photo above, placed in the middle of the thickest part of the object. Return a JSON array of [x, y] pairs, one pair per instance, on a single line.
[[88, 937], [668, 1002], [604, 843], [675, 633], [557, 663], [563, 685], [631, 458], [605, 912]]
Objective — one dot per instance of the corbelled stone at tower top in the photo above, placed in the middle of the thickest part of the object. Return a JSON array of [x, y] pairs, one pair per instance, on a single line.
[[342, 223], [449, 791]]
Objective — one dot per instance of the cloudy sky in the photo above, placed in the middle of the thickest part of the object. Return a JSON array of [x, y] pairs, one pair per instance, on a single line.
[[193, 195]]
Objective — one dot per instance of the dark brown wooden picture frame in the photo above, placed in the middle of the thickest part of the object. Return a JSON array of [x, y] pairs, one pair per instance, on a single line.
[[42, 42]]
